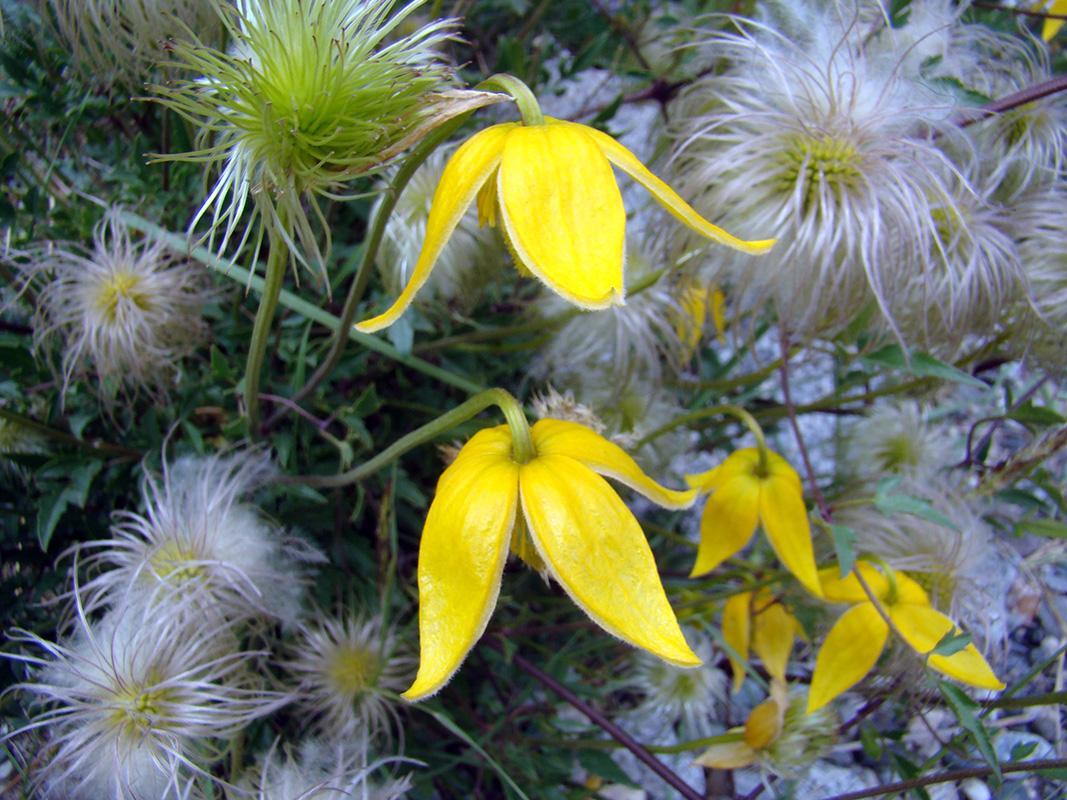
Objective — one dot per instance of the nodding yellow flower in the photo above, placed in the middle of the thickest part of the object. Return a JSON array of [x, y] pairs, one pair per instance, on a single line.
[[556, 513], [742, 498], [554, 192], [763, 620], [761, 730], [857, 639]]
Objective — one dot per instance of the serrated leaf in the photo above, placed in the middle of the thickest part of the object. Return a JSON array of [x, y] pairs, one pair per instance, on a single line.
[[1048, 528], [599, 763], [963, 707], [844, 545], [916, 506], [921, 365], [951, 642]]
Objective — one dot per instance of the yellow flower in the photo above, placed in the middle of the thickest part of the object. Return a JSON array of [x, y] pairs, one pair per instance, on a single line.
[[742, 498], [857, 639], [762, 619], [554, 191], [761, 730], [560, 516]]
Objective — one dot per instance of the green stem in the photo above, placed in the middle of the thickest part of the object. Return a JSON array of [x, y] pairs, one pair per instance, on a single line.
[[277, 260], [520, 431], [1050, 699], [388, 202], [714, 411], [523, 96], [302, 307]]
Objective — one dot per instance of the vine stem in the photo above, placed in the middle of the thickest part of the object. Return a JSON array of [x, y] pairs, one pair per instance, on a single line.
[[522, 442], [791, 412], [622, 737], [952, 775], [373, 241], [277, 260]]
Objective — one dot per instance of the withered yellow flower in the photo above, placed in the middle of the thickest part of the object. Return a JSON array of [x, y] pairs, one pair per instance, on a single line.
[[554, 192], [856, 640], [557, 514], [744, 495], [761, 620]]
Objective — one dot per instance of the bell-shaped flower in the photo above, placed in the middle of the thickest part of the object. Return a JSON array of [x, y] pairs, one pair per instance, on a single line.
[[745, 494], [761, 621], [557, 514], [857, 639], [554, 192], [761, 730]]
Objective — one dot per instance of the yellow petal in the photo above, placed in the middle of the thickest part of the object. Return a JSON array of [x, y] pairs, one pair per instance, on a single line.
[[597, 552], [562, 438], [773, 632], [923, 627], [909, 592], [836, 589], [785, 519], [461, 558], [729, 755], [682, 211], [718, 313], [1051, 26], [468, 169], [735, 631], [764, 724], [563, 212], [850, 650], [728, 522]]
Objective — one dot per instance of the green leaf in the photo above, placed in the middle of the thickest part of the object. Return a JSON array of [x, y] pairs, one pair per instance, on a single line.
[[1049, 528], [844, 545], [921, 365], [599, 763], [871, 745], [55, 501], [963, 707], [951, 642], [917, 506], [1022, 750], [1036, 415]]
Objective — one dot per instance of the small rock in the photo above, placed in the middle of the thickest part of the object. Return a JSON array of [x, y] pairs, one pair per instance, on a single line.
[[824, 780], [974, 789]]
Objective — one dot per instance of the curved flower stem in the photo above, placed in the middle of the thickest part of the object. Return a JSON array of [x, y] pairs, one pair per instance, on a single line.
[[791, 412], [609, 727], [523, 96], [422, 151], [713, 411], [268, 303], [520, 432]]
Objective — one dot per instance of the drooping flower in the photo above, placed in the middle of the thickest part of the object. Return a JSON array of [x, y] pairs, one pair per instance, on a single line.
[[762, 621], [554, 192], [778, 736], [348, 669], [855, 642], [746, 494], [311, 94], [556, 513], [138, 705], [128, 312], [199, 542]]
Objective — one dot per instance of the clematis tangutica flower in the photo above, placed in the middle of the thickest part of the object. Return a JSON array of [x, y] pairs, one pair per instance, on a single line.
[[553, 190], [857, 639], [556, 513], [761, 621], [761, 730], [744, 494]]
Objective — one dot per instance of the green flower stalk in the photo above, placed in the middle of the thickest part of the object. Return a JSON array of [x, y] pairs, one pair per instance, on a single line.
[[309, 95]]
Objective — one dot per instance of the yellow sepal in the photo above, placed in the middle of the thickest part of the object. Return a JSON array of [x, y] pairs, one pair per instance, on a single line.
[[850, 650]]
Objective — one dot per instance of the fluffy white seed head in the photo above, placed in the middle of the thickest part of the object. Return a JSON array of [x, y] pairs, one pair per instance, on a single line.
[[895, 440], [349, 667], [321, 771], [198, 543], [126, 313], [136, 706]]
